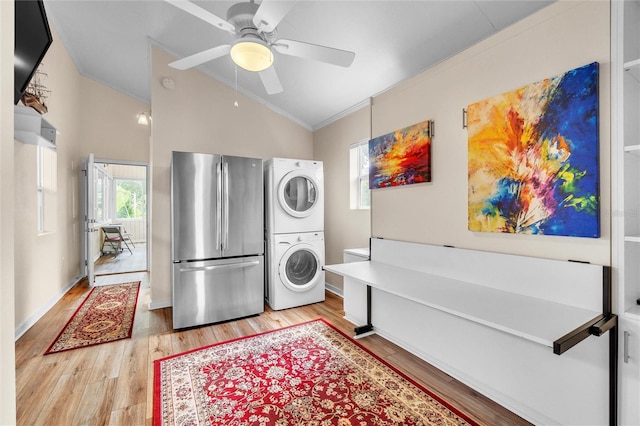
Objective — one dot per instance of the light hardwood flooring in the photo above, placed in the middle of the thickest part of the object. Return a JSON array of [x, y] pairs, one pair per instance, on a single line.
[[113, 383]]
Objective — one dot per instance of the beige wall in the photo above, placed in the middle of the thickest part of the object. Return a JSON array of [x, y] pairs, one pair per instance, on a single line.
[[561, 37], [90, 118], [109, 124], [7, 320], [344, 227], [198, 115], [57, 254]]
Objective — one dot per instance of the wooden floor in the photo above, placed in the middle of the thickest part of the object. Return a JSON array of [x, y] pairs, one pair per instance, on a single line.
[[113, 383]]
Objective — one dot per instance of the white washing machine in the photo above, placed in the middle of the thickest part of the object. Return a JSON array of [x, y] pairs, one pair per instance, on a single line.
[[295, 276], [294, 196]]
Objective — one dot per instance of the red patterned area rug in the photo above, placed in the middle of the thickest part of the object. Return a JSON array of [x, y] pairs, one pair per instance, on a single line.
[[104, 316], [307, 374]]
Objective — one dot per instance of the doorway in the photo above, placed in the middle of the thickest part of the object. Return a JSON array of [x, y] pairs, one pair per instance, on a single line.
[[119, 199]]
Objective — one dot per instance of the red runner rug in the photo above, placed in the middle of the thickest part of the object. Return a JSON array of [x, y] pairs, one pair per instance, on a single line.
[[105, 315], [307, 374]]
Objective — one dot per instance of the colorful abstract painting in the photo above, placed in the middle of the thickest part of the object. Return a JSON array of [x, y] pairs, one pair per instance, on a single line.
[[533, 158], [402, 157]]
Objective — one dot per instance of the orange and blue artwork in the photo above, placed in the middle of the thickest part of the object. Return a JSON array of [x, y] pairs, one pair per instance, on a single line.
[[402, 157], [533, 158]]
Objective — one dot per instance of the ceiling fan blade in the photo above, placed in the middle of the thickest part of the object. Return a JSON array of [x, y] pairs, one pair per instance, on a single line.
[[343, 58], [201, 57], [270, 81], [270, 13], [203, 14]]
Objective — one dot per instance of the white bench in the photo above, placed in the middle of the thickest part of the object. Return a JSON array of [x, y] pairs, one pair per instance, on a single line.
[[490, 319]]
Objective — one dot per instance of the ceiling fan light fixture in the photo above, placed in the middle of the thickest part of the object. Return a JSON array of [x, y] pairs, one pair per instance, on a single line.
[[251, 54]]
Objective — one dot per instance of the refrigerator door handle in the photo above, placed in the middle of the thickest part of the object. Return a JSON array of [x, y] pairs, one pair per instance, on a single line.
[[225, 243], [219, 206], [212, 267]]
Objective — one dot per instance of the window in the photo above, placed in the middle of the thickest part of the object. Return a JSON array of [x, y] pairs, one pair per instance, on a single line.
[[47, 188], [359, 175], [131, 202], [102, 189], [40, 189]]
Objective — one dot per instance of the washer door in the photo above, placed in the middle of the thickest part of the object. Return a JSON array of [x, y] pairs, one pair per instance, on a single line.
[[298, 193], [300, 267]]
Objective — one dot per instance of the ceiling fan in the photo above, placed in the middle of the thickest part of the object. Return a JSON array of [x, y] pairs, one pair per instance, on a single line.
[[254, 26]]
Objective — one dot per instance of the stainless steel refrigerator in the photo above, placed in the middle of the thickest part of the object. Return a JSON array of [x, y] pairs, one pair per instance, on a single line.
[[217, 239]]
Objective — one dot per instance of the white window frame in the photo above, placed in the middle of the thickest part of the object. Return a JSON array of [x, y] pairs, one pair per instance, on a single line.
[[106, 180], [40, 188], [357, 177], [46, 189]]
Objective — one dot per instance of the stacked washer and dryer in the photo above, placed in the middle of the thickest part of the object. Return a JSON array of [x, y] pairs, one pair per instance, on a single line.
[[294, 232]]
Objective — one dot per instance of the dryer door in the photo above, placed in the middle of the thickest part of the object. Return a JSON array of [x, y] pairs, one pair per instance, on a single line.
[[300, 267], [298, 193]]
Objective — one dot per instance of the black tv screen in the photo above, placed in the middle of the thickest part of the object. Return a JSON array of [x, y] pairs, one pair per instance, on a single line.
[[32, 40]]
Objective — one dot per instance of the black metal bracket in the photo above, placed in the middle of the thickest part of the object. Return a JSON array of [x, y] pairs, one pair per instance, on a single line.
[[368, 327], [595, 327], [464, 118], [363, 329], [607, 322], [613, 375]]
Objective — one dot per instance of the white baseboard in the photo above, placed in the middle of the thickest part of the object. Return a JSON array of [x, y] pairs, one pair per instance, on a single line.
[[334, 290], [160, 305], [29, 322]]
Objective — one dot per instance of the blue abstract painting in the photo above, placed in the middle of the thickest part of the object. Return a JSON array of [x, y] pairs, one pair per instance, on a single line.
[[533, 158]]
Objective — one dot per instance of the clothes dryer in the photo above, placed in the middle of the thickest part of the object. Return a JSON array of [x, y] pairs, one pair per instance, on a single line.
[[294, 269], [294, 196]]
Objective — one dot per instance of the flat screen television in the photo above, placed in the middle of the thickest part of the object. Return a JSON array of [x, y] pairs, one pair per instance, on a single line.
[[32, 40]]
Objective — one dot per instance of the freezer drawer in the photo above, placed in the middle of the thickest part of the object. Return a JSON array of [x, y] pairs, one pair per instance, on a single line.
[[217, 290]]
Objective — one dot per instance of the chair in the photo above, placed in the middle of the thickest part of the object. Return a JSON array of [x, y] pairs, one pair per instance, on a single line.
[[114, 239], [125, 234]]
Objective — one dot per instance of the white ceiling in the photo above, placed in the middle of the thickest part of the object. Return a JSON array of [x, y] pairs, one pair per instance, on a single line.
[[393, 40]]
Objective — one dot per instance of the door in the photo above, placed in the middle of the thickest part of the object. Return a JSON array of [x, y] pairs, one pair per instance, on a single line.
[[196, 206], [243, 216], [629, 371], [298, 193], [300, 267], [123, 204], [217, 290], [90, 230]]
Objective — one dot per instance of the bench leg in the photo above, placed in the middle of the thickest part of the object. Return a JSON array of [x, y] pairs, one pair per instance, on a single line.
[[365, 330]]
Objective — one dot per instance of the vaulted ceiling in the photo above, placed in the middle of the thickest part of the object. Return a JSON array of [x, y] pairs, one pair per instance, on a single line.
[[110, 41]]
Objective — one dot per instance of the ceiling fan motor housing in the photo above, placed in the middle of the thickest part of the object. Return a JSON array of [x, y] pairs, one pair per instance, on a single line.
[[240, 15]]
